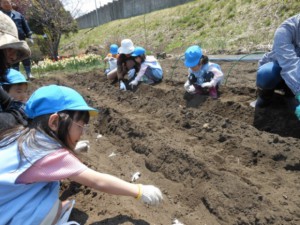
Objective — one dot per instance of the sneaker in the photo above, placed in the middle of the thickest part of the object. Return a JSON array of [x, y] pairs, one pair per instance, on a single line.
[[30, 76], [213, 92]]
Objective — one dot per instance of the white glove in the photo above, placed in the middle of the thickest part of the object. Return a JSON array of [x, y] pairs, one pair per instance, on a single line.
[[31, 41], [149, 194], [131, 74], [189, 88], [122, 86], [206, 85], [133, 83], [82, 146], [186, 85]]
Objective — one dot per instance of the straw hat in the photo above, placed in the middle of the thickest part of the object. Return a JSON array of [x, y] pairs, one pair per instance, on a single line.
[[9, 38]]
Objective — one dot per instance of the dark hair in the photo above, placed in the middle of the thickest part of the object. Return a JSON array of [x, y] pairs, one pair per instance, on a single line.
[[7, 87], [143, 57], [28, 135], [204, 60], [3, 65]]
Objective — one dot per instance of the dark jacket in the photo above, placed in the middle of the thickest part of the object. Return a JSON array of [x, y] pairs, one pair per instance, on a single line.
[[21, 23], [11, 112]]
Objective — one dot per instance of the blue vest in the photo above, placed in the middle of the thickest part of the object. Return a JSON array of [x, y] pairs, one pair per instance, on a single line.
[[26, 204]]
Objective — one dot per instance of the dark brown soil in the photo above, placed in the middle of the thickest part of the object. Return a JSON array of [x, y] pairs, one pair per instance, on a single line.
[[216, 161]]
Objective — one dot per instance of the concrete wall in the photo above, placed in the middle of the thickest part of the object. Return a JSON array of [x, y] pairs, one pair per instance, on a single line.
[[119, 9]]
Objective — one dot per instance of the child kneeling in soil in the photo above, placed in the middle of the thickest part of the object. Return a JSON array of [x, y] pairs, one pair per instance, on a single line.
[[111, 58], [125, 65], [203, 75], [150, 71], [34, 159]]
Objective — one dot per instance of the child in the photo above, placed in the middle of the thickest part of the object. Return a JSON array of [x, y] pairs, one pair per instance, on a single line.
[[150, 71], [16, 85], [111, 58], [203, 75], [34, 159], [125, 64]]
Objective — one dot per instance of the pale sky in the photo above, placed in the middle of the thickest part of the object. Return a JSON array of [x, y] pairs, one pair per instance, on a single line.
[[80, 7]]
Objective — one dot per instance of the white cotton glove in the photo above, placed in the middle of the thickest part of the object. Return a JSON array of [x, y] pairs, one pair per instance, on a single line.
[[131, 74], [82, 146], [206, 85], [149, 194], [122, 86], [31, 41], [133, 83], [191, 89]]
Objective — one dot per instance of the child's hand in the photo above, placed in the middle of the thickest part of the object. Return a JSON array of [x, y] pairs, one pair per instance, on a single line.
[[82, 146], [131, 74], [206, 85], [133, 83], [149, 194], [122, 86]]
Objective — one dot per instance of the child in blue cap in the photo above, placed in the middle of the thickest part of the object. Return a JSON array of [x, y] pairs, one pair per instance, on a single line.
[[111, 58], [34, 159], [203, 75], [150, 71], [16, 85]]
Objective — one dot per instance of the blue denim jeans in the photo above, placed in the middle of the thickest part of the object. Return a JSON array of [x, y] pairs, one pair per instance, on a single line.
[[268, 76]]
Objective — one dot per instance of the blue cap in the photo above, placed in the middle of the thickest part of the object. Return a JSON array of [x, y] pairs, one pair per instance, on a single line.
[[114, 49], [138, 51], [54, 98], [192, 56], [14, 77]]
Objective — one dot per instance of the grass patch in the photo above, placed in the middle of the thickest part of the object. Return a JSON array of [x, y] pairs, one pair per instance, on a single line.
[[228, 22]]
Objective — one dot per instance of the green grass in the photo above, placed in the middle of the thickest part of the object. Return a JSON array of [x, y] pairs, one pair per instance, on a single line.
[[227, 25]]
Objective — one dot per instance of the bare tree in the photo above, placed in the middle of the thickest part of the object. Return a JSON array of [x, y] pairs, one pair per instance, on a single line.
[[73, 6], [21, 6], [49, 18]]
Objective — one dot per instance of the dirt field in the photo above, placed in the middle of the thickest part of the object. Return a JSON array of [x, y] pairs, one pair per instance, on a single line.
[[216, 161]]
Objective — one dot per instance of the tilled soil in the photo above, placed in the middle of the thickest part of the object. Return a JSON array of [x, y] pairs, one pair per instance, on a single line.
[[216, 161]]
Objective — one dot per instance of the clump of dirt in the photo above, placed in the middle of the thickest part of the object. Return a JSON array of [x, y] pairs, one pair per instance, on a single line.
[[216, 161]]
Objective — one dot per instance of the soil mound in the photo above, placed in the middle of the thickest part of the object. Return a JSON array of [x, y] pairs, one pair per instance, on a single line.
[[216, 161]]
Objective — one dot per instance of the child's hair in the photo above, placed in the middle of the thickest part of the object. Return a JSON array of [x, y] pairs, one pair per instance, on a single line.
[[28, 138], [204, 60]]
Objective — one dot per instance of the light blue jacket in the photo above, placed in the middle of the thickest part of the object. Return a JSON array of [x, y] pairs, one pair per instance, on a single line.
[[286, 52], [25, 204]]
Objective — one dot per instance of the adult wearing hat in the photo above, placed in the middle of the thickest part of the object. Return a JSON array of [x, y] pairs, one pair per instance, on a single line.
[[12, 50], [23, 32], [125, 64]]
